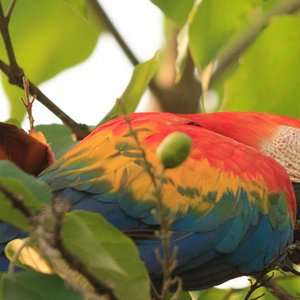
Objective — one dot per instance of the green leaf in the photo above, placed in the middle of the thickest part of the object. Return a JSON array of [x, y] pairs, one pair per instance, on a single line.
[[48, 36], [141, 76], [178, 11], [29, 285], [211, 28], [80, 6], [34, 193], [267, 79], [107, 253], [59, 137]]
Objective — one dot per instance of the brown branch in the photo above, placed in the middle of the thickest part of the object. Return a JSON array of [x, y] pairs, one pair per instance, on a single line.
[[102, 18], [277, 291], [16, 201], [15, 76], [10, 10], [50, 242], [7, 40]]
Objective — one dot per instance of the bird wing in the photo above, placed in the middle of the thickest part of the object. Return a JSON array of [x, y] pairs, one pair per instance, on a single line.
[[233, 207]]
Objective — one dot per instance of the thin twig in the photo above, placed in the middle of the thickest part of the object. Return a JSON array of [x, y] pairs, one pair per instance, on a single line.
[[15, 76], [49, 238], [50, 242], [10, 10], [28, 102], [7, 40], [277, 291], [168, 257]]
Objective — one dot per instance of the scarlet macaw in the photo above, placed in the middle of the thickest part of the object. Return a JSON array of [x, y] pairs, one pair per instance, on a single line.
[[233, 198]]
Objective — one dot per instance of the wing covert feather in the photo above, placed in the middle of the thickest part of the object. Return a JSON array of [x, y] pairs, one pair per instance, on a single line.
[[225, 196]]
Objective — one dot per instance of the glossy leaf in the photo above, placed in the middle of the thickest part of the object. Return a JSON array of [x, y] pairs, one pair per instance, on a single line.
[[141, 76], [59, 137], [80, 6], [30, 285], [48, 36], [211, 28], [34, 193], [177, 11], [268, 76], [107, 253]]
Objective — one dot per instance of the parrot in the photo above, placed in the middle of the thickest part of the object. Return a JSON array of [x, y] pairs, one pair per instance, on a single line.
[[232, 200]]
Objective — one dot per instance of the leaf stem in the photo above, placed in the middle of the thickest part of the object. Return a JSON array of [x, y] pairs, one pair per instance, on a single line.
[[168, 257]]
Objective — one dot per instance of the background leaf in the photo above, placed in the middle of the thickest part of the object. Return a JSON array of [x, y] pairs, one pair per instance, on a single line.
[[59, 137], [267, 78], [48, 36], [207, 35], [107, 253], [80, 5], [177, 11], [141, 76], [29, 285], [33, 192]]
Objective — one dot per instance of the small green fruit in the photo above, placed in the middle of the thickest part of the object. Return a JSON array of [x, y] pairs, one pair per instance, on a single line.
[[174, 149]]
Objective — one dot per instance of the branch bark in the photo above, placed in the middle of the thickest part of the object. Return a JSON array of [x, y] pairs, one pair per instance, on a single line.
[[228, 57], [15, 76], [171, 99]]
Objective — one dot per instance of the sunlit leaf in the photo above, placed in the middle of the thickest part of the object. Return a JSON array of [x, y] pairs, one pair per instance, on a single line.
[[268, 76], [107, 253], [80, 5], [211, 28], [30, 285], [48, 36], [141, 76], [27, 255], [178, 11]]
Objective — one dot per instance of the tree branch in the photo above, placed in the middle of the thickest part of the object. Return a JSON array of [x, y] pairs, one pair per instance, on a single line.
[[51, 245], [228, 57], [276, 290], [50, 242], [16, 201], [15, 76], [102, 18]]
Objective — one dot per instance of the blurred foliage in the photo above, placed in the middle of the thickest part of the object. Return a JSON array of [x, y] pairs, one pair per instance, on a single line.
[[140, 79], [245, 51], [270, 83], [178, 12], [111, 256], [48, 36], [31, 285], [59, 138]]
